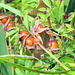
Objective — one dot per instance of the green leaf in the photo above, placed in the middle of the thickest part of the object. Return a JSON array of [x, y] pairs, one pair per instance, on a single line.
[[5, 69], [47, 2], [13, 37], [21, 61], [28, 63], [30, 1], [61, 10], [42, 9], [19, 71], [71, 17], [70, 73], [42, 16], [57, 3], [30, 69], [16, 11], [11, 33], [26, 20], [67, 59], [66, 2], [33, 73], [71, 6], [25, 57]]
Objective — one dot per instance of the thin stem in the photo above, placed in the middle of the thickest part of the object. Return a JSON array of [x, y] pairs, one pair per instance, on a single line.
[[49, 22]]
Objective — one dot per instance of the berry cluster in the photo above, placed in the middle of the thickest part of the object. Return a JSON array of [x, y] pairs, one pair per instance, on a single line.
[[29, 40], [7, 21]]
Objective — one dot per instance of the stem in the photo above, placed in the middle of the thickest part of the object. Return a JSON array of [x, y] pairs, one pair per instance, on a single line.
[[11, 59], [49, 22], [73, 20]]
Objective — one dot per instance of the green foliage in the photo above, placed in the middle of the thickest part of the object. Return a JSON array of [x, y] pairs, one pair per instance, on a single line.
[[29, 65], [47, 2], [11, 33], [67, 59], [16, 11]]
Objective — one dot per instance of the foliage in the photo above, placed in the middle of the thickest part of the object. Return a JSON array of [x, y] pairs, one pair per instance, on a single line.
[[58, 21]]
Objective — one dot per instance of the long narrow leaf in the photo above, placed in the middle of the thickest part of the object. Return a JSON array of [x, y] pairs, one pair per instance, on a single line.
[[5, 69], [29, 69], [16, 11]]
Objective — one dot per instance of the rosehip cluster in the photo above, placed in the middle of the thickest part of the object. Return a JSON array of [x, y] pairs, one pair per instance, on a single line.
[[7, 21], [29, 40]]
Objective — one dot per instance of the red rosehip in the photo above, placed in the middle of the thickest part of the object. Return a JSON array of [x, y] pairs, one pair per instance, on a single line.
[[29, 41], [10, 24], [40, 26], [25, 33], [4, 20], [35, 41], [54, 43]]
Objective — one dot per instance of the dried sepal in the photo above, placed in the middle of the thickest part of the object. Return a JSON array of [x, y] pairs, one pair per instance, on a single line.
[[50, 33], [37, 30], [53, 49], [2, 17], [10, 28], [28, 47], [21, 35]]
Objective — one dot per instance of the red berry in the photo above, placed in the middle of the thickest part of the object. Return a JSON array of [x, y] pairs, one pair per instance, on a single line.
[[29, 41], [25, 33], [10, 24], [35, 41], [40, 26], [4, 20], [54, 43]]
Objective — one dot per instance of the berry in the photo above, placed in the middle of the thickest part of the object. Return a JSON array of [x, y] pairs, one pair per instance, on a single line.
[[4, 20], [29, 41], [10, 24], [36, 41], [54, 43], [25, 33], [40, 26]]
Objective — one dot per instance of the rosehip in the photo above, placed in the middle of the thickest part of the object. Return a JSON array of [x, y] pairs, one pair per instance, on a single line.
[[35, 41], [4, 20], [25, 33], [54, 43], [29, 41], [10, 24], [40, 26]]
